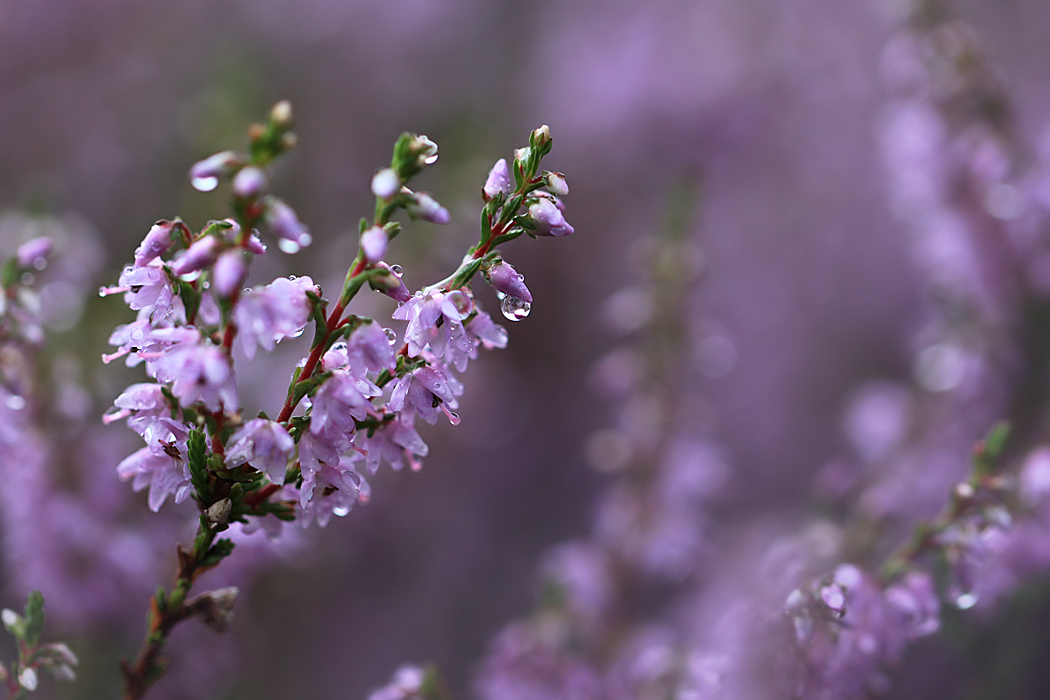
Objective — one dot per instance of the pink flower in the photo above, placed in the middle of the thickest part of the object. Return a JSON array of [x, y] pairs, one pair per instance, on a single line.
[[269, 314], [198, 372], [506, 280], [435, 319], [160, 465], [424, 391], [499, 180], [266, 445], [155, 244]]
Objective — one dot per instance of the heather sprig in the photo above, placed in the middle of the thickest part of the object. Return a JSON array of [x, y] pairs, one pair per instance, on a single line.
[[22, 676], [352, 401]]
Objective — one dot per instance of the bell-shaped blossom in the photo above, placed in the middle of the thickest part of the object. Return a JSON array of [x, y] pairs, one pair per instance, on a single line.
[[506, 280], [146, 287], [331, 490], [499, 180], [368, 349], [229, 272], [269, 314], [390, 283], [265, 445], [161, 465], [425, 391], [318, 449], [283, 222], [205, 174], [198, 372], [201, 254], [155, 244], [425, 207], [490, 334], [434, 319], [341, 399], [393, 441], [548, 218], [141, 404]]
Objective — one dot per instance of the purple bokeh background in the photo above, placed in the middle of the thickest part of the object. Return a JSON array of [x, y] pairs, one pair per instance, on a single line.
[[773, 106]]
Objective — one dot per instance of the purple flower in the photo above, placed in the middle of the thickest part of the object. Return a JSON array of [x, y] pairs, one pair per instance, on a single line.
[[505, 279], [205, 174], [368, 348], [249, 182], [198, 372], [316, 450], [434, 319], [142, 404], [160, 465], [486, 331], [155, 244], [266, 445], [33, 253], [499, 180], [390, 283], [373, 243], [201, 254], [229, 272], [340, 400], [425, 207], [548, 218], [329, 491], [393, 441], [425, 390], [146, 287], [284, 223], [269, 314]]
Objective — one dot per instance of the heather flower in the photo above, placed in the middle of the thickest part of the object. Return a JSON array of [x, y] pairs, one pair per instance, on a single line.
[[425, 390], [393, 441], [340, 400], [548, 218], [269, 314], [229, 273], [283, 222], [487, 332], [386, 183], [34, 253], [265, 445], [556, 184], [141, 404], [155, 244], [160, 465], [423, 206], [390, 283], [329, 491], [434, 319], [249, 182], [198, 372], [205, 174], [198, 256], [146, 287], [368, 348], [317, 449], [499, 180], [506, 280], [373, 243]]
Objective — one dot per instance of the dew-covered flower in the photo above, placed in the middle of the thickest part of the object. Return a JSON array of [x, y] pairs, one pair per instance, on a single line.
[[155, 244], [161, 464], [331, 490], [434, 319], [283, 222], [198, 372], [269, 314], [506, 280], [146, 287], [426, 390], [201, 254], [141, 404], [499, 180], [265, 445], [340, 400], [548, 218], [423, 206], [394, 441]]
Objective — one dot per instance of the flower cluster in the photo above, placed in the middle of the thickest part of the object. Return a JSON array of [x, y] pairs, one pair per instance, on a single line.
[[353, 401]]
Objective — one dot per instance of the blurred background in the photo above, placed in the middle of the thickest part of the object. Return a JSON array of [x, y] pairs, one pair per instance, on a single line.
[[769, 110]]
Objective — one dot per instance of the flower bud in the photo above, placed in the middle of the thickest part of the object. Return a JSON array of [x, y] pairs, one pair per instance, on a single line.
[[548, 218], [229, 273], [556, 184], [197, 257], [33, 253], [249, 182], [205, 174], [386, 183], [506, 280], [155, 244], [373, 243], [499, 180], [283, 222], [281, 115], [426, 208], [540, 138], [27, 678], [389, 282]]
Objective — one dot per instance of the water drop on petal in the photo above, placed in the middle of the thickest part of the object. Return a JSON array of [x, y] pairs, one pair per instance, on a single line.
[[390, 335], [205, 184], [514, 309], [287, 246], [397, 270], [15, 402], [453, 418], [340, 511], [965, 601], [430, 160]]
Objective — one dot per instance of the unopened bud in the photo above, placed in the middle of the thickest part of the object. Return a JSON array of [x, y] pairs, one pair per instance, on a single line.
[[505, 279], [549, 220], [155, 244], [427, 208], [386, 183], [284, 223], [373, 243], [556, 184], [388, 282], [33, 253], [281, 114], [219, 512], [499, 180], [12, 620], [27, 679], [198, 256], [540, 137], [229, 273], [205, 174], [249, 182]]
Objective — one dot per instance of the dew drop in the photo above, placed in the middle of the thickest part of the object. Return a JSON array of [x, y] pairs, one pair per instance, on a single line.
[[287, 246], [298, 333], [397, 270], [40, 263], [340, 511], [453, 418], [102, 292], [204, 184], [28, 278], [391, 336], [137, 334], [521, 278], [430, 160], [965, 601], [514, 309], [15, 402]]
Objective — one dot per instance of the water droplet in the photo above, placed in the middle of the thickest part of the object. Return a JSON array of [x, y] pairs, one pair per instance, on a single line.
[[340, 511], [965, 601], [521, 277], [292, 278], [28, 278], [15, 402], [204, 184], [287, 246], [298, 332], [40, 263], [397, 270], [430, 160], [462, 301], [102, 291], [390, 335], [137, 334], [514, 309], [453, 418]]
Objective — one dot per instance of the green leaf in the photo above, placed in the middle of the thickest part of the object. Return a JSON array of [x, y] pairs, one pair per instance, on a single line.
[[34, 618]]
